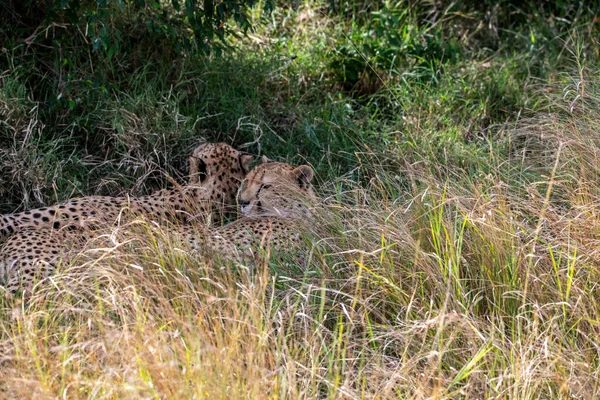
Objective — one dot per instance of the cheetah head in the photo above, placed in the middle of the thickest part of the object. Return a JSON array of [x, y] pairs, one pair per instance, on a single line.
[[219, 167], [275, 188]]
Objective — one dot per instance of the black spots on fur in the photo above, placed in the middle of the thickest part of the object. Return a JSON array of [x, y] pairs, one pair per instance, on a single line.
[[45, 219], [72, 209], [37, 215], [52, 212], [56, 225]]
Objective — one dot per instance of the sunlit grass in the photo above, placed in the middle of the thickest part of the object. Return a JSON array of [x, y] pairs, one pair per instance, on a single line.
[[458, 288]]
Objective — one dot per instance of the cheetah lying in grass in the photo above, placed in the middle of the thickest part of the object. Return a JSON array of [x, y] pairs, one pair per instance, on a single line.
[[216, 170], [275, 199]]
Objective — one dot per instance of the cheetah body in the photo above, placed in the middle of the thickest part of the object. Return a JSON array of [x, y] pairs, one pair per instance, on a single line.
[[216, 170], [275, 200]]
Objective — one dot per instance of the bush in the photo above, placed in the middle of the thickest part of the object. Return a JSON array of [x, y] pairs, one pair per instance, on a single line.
[[190, 24]]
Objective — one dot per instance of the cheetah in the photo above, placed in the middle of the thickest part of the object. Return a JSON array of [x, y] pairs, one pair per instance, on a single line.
[[216, 170], [276, 200]]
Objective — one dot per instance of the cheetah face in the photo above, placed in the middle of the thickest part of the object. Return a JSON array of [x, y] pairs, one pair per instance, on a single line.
[[279, 189]]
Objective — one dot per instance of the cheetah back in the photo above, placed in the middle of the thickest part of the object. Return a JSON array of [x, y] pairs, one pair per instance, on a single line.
[[216, 170]]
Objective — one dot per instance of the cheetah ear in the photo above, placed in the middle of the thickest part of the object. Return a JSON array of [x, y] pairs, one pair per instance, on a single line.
[[265, 159], [245, 160], [202, 147], [197, 170], [304, 174]]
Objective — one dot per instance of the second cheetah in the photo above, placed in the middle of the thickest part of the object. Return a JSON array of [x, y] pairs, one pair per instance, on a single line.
[[216, 171]]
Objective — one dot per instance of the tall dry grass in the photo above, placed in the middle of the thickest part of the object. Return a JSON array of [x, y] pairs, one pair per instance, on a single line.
[[425, 285]]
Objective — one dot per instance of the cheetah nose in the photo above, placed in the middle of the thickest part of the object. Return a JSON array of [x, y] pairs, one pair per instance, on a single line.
[[245, 206]]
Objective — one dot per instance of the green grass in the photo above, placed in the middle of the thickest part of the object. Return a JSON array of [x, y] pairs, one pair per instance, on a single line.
[[456, 151]]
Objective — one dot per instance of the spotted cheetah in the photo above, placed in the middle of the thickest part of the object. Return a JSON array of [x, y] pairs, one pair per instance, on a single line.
[[216, 170], [276, 200]]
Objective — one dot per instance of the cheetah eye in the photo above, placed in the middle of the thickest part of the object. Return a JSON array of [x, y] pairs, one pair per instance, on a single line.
[[263, 186]]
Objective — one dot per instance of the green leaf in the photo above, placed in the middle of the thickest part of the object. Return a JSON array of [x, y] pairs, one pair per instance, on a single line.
[[97, 44], [269, 6], [470, 366]]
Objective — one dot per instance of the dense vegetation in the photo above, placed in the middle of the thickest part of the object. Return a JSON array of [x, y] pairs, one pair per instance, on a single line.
[[457, 148]]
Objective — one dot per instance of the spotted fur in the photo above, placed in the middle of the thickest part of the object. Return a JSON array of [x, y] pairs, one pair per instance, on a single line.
[[216, 170], [277, 189], [33, 254], [276, 200]]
